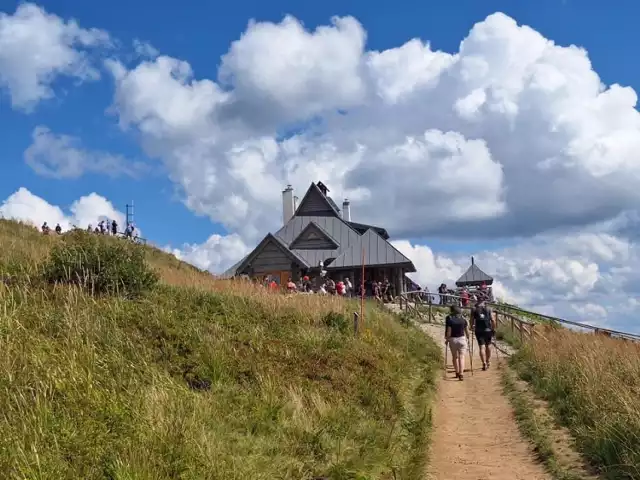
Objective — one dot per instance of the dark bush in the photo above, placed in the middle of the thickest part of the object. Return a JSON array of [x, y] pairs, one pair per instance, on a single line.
[[100, 265], [336, 321]]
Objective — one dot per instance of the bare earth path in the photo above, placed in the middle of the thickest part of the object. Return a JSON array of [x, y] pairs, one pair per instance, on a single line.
[[475, 434]]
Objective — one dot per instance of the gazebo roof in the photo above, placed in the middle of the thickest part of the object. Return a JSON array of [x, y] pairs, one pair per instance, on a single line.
[[474, 277]]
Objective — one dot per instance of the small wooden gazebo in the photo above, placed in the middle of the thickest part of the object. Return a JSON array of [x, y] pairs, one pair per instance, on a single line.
[[474, 277]]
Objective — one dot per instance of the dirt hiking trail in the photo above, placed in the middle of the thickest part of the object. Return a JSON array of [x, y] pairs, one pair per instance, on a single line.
[[475, 435]]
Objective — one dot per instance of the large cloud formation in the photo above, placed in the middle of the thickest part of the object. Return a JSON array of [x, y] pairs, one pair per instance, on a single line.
[[510, 137]]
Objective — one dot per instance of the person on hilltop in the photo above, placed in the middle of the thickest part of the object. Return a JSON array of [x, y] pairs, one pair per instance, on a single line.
[[484, 326], [456, 338], [58, 229], [114, 228]]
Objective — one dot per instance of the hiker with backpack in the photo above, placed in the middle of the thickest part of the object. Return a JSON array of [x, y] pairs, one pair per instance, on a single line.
[[457, 338], [484, 326]]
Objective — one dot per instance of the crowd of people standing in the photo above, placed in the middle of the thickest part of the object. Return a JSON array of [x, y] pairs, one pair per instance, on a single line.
[[104, 227], [383, 291]]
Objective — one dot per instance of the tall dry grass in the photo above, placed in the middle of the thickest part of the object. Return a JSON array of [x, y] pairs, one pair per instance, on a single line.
[[593, 385], [201, 379]]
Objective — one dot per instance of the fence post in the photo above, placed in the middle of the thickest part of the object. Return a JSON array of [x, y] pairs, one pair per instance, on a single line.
[[356, 318], [521, 333], [430, 314]]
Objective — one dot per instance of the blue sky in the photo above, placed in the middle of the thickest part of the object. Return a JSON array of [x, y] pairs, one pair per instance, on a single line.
[[203, 31], [498, 139]]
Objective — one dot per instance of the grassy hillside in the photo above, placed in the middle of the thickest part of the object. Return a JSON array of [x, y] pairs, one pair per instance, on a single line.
[[592, 383], [197, 378]]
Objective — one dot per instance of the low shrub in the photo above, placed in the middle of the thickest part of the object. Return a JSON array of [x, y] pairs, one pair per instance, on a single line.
[[99, 265], [337, 321]]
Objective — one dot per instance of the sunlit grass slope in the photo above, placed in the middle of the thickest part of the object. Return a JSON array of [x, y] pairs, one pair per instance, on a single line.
[[195, 378], [593, 385]]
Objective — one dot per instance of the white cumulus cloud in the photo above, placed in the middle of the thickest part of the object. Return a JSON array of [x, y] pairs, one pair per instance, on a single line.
[[63, 156], [216, 254], [512, 135], [29, 208], [562, 275], [36, 47]]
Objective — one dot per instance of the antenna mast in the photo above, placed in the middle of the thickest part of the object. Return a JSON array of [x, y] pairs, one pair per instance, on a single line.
[[130, 213]]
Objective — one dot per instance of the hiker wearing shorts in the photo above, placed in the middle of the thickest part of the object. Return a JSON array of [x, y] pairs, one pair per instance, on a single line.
[[484, 327], [456, 336]]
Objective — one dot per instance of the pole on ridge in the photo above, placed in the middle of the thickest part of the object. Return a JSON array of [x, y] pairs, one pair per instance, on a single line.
[[129, 213]]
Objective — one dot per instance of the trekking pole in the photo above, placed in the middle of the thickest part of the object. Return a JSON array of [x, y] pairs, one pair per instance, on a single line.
[[471, 356], [446, 348]]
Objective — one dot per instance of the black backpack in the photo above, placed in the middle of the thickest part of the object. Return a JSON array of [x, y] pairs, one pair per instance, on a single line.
[[482, 323]]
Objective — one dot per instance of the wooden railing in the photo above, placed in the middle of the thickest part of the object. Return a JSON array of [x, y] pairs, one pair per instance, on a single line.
[[508, 317], [521, 329]]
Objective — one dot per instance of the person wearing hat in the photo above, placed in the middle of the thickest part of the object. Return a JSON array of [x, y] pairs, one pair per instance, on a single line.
[[306, 284]]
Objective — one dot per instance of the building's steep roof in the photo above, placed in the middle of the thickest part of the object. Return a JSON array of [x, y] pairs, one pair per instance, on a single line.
[[361, 228], [232, 271], [474, 277], [313, 257], [377, 251], [270, 238], [318, 212], [314, 233], [333, 204], [334, 227], [316, 203]]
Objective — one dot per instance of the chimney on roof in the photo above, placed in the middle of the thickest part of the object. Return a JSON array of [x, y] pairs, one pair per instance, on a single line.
[[323, 188], [287, 204], [346, 210]]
